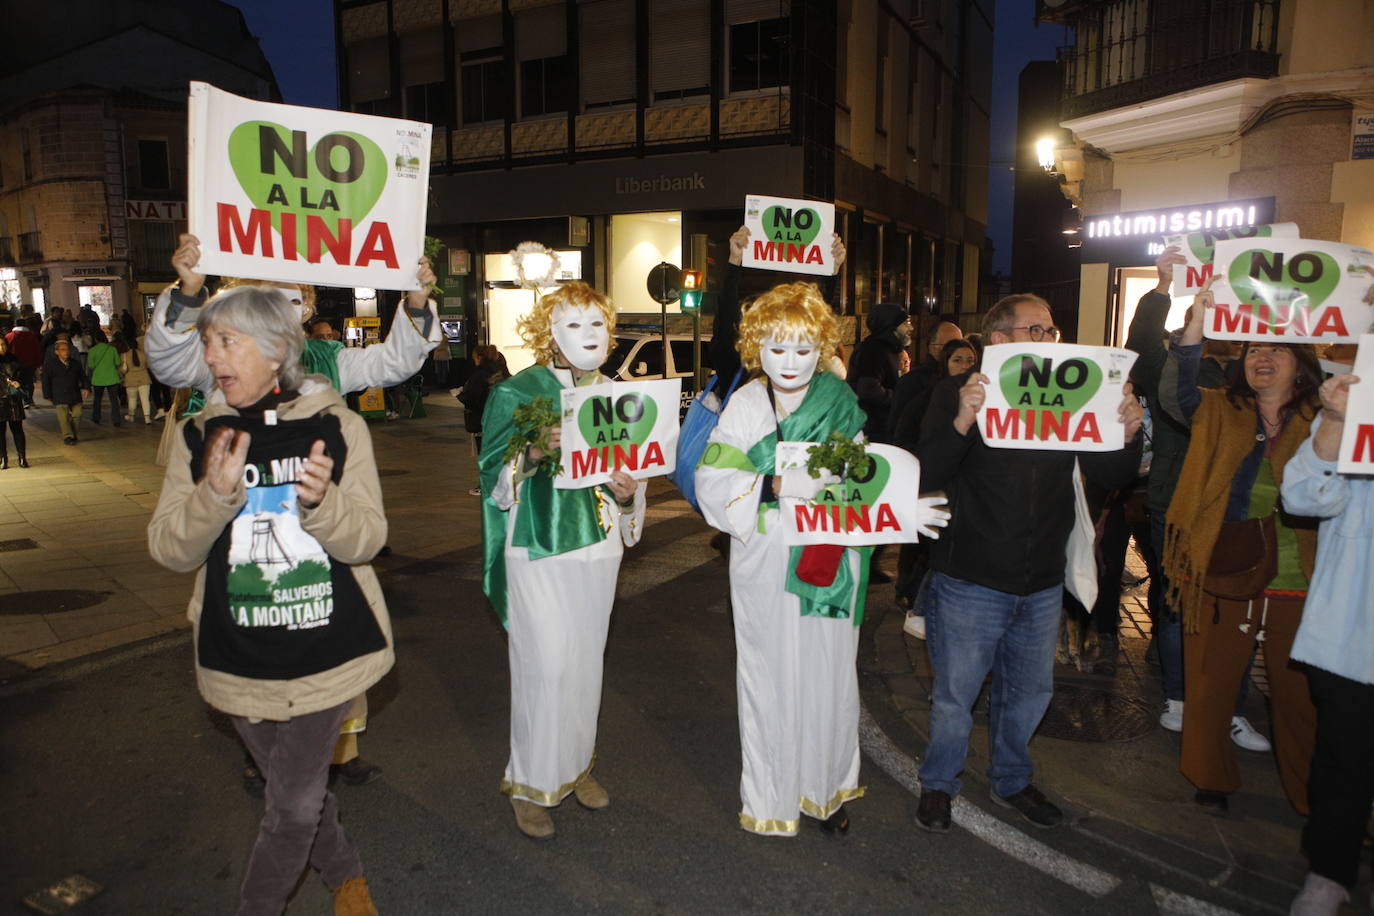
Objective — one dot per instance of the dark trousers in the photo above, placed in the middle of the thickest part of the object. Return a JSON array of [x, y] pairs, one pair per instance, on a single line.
[[301, 823], [112, 391], [1341, 787], [17, 431]]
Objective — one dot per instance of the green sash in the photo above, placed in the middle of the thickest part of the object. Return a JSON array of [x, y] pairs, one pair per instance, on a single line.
[[548, 521], [829, 405]]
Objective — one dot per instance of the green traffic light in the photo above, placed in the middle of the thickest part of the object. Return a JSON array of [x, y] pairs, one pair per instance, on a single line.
[[690, 299]]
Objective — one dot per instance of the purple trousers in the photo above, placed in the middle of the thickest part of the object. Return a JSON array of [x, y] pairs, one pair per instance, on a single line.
[[301, 823]]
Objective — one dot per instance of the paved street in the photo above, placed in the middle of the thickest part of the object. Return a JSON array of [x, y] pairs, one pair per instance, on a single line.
[[112, 767]]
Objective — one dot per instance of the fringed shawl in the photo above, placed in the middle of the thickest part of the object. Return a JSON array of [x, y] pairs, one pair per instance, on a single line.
[[1223, 435]]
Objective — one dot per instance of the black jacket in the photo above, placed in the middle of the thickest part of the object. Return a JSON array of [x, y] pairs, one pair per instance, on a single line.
[[476, 391], [875, 367], [63, 384], [1012, 509]]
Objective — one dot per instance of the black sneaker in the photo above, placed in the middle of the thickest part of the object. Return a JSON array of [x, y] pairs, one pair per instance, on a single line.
[[1032, 805], [358, 772], [933, 812]]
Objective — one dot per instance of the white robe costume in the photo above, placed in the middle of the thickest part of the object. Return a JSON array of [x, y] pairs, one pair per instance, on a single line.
[[558, 611], [796, 677]]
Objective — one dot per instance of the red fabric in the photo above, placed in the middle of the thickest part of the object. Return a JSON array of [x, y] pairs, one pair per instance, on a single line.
[[26, 347], [819, 563]]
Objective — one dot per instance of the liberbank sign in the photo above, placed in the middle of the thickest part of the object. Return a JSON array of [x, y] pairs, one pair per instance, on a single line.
[[1138, 237]]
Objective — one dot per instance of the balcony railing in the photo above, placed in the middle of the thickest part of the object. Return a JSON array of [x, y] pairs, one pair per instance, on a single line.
[[1130, 51], [30, 247]]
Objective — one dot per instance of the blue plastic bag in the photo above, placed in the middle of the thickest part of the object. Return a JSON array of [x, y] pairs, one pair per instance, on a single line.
[[696, 430]]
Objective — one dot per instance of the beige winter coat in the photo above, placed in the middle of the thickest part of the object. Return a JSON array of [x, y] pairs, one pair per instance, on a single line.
[[132, 376], [349, 523]]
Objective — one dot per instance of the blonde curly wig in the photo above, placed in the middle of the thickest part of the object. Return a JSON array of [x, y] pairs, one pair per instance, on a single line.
[[789, 311], [536, 328], [307, 291]]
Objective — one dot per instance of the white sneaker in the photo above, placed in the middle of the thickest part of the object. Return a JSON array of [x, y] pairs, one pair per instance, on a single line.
[[1319, 897], [914, 625], [1244, 735], [1172, 716]]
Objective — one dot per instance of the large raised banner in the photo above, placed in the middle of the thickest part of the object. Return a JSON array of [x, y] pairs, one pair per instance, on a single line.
[[788, 234], [1291, 290], [879, 508], [627, 426], [305, 195], [1053, 396], [1357, 439], [1200, 248]]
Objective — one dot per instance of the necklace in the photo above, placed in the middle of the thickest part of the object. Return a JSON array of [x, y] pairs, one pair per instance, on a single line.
[[1270, 430]]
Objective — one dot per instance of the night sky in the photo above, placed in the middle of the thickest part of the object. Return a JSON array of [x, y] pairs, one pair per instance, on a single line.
[[298, 38]]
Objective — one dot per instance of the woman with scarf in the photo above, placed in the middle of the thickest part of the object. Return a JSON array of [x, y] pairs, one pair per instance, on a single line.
[[551, 560], [1227, 504], [796, 610], [272, 497]]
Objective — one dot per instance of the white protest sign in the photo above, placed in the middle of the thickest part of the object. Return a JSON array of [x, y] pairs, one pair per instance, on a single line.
[[879, 508], [1199, 249], [305, 195], [627, 426], [1357, 438], [1290, 290], [1053, 396], [788, 234]]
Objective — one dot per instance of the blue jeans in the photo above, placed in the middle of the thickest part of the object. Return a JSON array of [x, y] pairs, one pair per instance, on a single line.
[[970, 631]]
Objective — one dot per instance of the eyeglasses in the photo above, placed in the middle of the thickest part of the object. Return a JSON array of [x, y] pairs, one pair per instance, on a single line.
[[1038, 332]]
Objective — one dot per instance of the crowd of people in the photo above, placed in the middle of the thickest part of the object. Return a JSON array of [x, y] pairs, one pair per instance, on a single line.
[[1249, 534]]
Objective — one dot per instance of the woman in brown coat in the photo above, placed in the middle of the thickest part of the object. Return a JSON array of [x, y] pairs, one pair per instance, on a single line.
[[1242, 437]]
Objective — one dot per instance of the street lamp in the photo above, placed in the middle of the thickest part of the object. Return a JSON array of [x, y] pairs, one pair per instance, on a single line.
[[1044, 153]]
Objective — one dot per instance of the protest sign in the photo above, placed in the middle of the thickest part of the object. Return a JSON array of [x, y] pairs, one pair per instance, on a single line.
[[791, 235], [1053, 396], [1199, 249], [627, 426], [1290, 290], [878, 508], [305, 195], [1357, 438]]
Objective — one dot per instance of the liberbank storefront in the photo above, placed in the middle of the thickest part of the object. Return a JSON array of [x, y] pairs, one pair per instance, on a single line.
[[1118, 252], [611, 220]]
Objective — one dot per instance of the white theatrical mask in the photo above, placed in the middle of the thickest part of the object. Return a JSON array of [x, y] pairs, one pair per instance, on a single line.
[[581, 335], [789, 364], [293, 294]]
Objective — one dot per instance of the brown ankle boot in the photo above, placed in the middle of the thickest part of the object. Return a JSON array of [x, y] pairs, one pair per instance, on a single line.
[[352, 899], [533, 820], [590, 794]]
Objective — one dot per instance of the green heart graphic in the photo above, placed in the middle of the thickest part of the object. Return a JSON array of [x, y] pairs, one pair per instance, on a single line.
[[629, 419], [802, 227], [341, 176], [855, 492], [1204, 244], [1306, 278], [1036, 383]]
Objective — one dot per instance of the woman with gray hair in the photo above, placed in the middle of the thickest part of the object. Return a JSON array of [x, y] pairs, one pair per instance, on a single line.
[[271, 496]]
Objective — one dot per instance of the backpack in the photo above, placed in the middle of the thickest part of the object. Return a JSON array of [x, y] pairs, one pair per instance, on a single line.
[[701, 418]]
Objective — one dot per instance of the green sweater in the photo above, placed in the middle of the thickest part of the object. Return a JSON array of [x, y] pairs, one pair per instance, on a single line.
[[103, 363]]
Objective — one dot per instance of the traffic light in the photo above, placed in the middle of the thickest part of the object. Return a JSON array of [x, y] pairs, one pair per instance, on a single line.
[[689, 296]]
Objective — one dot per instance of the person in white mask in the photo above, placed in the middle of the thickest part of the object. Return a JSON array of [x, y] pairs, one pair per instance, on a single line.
[[796, 610], [551, 558]]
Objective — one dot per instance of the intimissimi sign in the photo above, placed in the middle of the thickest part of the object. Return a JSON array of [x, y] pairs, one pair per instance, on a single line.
[[1136, 237]]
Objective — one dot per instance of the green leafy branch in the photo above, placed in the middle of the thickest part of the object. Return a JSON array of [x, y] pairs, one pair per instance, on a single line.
[[432, 248], [532, 421], [840, 455]]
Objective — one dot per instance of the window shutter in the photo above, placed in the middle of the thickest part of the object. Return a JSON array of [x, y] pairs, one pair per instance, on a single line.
[[369, 73], [737, 11], [679, 44], [541, 33], [608, 42], [422, 58], [476, 34]]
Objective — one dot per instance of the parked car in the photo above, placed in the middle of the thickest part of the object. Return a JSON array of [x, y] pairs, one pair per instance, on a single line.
[[638, 355]]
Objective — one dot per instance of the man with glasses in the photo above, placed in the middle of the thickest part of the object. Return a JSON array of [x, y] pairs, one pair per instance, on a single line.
[[996, 592]]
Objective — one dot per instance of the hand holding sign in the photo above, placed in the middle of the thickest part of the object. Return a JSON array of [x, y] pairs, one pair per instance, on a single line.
[[185, 260], [1060, 397], [789, 234], [614, 427]]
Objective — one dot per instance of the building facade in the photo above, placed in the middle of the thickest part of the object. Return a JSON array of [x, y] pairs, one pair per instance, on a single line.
[[1213, 110], [93, 144], [628, 132]]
